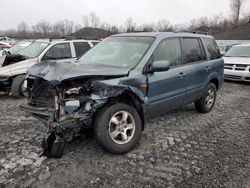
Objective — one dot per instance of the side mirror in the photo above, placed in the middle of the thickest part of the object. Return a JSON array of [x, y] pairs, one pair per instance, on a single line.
[[160, 66]]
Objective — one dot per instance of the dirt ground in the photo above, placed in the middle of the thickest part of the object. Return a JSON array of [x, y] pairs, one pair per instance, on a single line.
[[179, 149]]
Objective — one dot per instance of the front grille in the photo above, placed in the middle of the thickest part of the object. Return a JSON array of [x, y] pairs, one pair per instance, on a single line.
[[232, 77], [42, 94], [228, 66], [237, 67]]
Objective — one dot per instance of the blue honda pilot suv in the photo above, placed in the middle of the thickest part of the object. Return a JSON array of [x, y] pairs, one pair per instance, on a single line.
[[120, 83]]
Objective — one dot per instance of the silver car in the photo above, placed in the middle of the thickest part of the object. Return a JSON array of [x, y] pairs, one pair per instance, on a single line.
[[13, 67], [237, 63]]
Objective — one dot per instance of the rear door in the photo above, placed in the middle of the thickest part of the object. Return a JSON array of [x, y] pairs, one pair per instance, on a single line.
[[166, 90], [194, 60]]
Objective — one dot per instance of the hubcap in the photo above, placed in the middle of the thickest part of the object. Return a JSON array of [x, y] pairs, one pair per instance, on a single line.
[[121, 127], [209, 101]]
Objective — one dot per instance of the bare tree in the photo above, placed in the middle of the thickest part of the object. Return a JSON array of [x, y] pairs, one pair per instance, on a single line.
[[91, 20], [130, 25], [59, 29], [44, 27], [22, 29], [85, 21], [77, 27], [164, 25], [147, 27], [113, 29], [105, 26], [94, 20], [69, 26], [236, 6]]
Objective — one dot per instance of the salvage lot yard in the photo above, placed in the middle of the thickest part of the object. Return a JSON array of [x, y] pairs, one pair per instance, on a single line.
[[179, 149]]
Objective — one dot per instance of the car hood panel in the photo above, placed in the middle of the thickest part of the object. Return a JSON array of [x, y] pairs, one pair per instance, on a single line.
[[237, 60], [17, 68], [56, 72]]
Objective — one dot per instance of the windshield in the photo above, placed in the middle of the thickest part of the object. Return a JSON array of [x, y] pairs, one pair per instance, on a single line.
[[123, 52], [34, 49], [17, 47], [239, 51]]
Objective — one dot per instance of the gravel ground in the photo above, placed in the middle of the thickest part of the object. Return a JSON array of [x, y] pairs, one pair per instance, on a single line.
[[179, 149]]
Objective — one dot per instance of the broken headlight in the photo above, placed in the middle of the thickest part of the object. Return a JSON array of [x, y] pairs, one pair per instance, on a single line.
[[72, 106], [75, 90]]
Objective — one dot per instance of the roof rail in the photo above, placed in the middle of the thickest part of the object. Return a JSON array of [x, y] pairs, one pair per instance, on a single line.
[[68, 38], [197, 32], [80, 38]]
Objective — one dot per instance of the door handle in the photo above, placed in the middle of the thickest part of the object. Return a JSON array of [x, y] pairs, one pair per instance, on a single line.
[[182, 75]]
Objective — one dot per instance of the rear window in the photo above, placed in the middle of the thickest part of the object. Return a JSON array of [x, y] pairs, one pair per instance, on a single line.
[[192, 50], [213, 49], [81, 48]]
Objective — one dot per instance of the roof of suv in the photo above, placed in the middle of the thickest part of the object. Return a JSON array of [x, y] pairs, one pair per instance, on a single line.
[[164, 34], [63, 40]]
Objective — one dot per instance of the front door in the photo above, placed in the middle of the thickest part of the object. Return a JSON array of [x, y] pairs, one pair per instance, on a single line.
[[167, 89]]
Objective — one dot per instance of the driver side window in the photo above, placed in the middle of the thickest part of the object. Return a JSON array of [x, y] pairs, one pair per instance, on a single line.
[[168, 50], [58, 51]]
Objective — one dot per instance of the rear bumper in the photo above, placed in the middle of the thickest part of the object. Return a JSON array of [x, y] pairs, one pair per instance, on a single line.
[[237, 75]]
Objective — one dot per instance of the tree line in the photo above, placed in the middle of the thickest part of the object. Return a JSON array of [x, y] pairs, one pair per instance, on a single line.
[[214, 24]]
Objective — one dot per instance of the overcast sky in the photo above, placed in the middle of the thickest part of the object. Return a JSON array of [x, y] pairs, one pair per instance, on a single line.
[[110, 11]]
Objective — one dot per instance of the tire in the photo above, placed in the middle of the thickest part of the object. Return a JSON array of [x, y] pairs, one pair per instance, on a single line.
[[16, 86], [111, 135], [206, 103]]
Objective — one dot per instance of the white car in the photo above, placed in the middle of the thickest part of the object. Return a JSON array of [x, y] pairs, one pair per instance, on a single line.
[[13, 67], [237, 63], [17, 47]]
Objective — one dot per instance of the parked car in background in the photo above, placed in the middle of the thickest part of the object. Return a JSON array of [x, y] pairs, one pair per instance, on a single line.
[[4, 46], [118, 85], [16, 48], [13, 67], [237, 63]]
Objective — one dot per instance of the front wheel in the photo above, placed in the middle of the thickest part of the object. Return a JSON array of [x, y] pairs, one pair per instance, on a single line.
[[207, 100], [18, 87], [118, 128]]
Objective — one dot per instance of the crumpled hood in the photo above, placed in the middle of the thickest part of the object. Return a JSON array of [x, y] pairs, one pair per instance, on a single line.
[[56, 72], [236, 60]]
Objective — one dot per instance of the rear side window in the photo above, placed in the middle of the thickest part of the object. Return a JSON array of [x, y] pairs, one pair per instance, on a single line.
[[213, 50], [81, 48], [168, 50], [193, 50]]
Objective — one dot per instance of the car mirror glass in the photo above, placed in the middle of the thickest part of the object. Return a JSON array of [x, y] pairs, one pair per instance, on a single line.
[[160, 66]]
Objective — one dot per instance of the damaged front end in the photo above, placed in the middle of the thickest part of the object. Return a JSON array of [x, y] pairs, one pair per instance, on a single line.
[[67, 108]]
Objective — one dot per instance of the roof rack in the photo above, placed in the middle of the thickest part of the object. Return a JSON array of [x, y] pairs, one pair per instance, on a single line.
[[68, 38], [197, 32]]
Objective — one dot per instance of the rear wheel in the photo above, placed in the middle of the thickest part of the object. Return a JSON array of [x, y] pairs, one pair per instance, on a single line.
[[118, 128], [18, 87], [206, 102]]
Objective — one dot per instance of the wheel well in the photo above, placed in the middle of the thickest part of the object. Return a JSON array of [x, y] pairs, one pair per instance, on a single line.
[[216, 82]]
